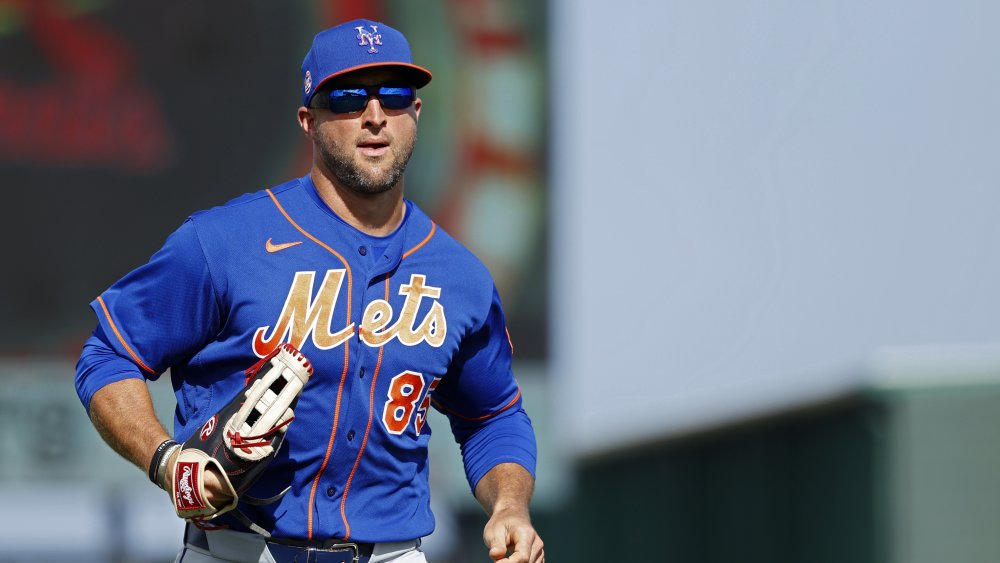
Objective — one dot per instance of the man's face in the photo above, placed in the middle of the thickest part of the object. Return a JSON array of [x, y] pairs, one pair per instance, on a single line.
[[366, 151]]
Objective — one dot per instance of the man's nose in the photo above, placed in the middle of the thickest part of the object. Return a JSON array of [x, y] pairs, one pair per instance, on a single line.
[[374, 114]]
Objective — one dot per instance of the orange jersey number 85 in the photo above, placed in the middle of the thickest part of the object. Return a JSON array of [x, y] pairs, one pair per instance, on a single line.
[[405, 392]]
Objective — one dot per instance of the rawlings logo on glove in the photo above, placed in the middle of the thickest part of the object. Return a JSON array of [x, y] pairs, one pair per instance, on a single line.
[[186, 497], [256, 421]]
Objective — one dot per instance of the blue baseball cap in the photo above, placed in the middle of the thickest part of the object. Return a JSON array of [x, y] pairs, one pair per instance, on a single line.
[[355, 45]]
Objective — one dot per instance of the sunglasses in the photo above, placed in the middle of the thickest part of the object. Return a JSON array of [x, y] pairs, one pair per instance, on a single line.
[[350, 100]]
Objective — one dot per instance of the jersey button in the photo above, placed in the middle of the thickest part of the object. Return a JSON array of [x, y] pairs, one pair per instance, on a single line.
[[362, 250], [330, 491], [350, 436], [362, 374]]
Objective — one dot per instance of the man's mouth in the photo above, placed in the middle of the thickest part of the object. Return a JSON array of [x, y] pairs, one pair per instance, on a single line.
[[373, 148]]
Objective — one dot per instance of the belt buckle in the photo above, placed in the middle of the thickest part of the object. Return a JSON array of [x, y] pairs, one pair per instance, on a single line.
[[311, 552]]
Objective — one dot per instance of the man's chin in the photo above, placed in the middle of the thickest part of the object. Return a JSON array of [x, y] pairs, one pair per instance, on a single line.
[[375, 183], [365, 177], [372, 184]]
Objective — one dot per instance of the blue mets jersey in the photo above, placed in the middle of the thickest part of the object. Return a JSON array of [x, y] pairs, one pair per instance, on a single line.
[[392, 325]]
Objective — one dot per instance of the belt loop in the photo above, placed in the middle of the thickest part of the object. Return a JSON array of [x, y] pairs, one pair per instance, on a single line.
[[195, 537]]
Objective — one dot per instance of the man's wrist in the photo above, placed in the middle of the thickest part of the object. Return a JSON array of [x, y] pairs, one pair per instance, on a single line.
[[158, 455], [162, 473], [510, 506]]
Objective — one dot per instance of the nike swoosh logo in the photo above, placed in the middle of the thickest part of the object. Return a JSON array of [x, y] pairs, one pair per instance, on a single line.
[[271, 247]]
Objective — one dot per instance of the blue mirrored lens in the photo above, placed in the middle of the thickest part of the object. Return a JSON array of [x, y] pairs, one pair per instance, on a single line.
[[345, 100], [348, 100], [396, 97]]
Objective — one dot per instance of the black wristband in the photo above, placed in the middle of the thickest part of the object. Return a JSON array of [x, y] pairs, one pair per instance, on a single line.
[[157, 458]]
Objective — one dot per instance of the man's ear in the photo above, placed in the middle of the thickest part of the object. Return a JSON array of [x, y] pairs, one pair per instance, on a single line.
[[307, 121], [416, 107]]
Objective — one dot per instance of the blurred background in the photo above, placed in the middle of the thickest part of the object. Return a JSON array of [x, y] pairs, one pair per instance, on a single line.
[[748, 252]]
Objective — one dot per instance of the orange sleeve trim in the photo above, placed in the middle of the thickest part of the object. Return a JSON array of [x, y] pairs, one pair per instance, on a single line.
[[477, 418], [423, 242], [121, 339]]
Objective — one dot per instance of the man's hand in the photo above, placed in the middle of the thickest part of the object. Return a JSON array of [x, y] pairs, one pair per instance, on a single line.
[[505, 492], [215, 489], [511, 528]]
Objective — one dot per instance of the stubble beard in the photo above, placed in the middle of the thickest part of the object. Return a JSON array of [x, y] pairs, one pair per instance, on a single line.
[[366, 178]]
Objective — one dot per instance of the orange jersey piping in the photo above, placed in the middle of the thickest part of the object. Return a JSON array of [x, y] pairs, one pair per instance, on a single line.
[[364, 442], [343, 376], [121, 339], [485, 416], [371, 398], [423, 242]]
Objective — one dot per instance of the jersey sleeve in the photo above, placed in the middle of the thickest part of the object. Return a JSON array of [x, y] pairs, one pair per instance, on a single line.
[[154, 317], [482, 401], [100, 365]]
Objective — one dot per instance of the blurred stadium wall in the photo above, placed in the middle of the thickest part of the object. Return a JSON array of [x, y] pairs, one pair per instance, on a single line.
[[762, 213]]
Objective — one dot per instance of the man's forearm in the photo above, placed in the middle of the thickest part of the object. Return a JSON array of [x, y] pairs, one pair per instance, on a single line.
[[506, 486], [123, 414]]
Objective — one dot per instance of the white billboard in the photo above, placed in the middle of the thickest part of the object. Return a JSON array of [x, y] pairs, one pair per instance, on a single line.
[[752, 197]]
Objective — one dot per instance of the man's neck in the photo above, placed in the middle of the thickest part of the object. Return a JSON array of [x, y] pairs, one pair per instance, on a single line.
[[374, 214]]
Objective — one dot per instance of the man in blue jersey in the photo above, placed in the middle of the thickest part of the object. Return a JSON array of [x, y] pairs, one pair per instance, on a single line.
[[394, 315]]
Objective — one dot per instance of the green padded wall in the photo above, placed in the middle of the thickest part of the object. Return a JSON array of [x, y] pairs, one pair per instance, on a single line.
[[799, 488]]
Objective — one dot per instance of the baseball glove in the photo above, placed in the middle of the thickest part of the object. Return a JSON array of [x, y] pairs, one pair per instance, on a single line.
[[251, 430]]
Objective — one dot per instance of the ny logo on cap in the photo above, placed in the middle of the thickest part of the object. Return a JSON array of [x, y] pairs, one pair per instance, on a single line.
[[371, 39]]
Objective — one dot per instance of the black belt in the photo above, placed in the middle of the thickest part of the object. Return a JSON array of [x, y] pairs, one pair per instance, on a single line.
[[333, 550], [290, 550]]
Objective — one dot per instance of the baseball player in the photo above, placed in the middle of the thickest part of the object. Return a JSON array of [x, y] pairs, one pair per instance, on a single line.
[[376, 315]]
